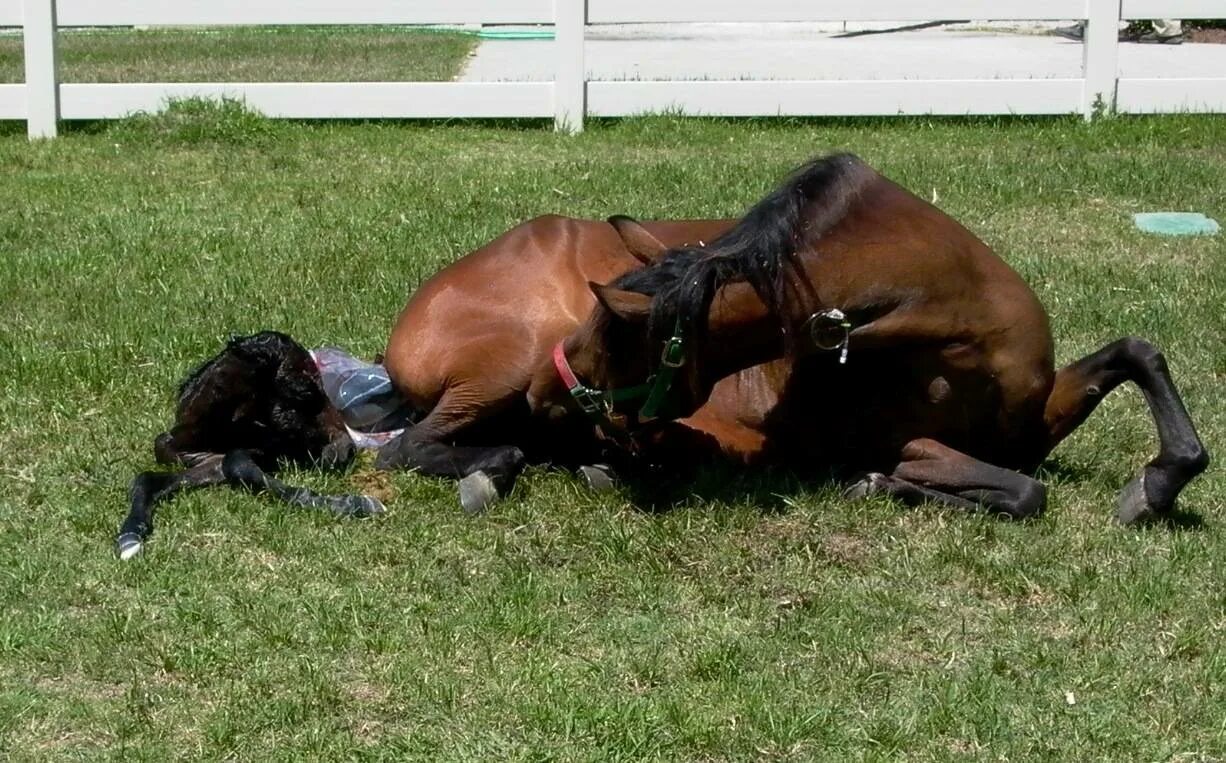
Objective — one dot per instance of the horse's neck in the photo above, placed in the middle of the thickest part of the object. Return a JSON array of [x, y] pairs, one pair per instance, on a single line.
[[741, 333]]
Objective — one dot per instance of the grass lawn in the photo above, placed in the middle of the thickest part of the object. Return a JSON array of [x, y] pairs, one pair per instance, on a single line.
[[251, 54], [760, 619]]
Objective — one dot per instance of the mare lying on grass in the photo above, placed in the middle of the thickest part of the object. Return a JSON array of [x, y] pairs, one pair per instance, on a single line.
[[466, 346], [909, 350], [255, 405], [843, 325]]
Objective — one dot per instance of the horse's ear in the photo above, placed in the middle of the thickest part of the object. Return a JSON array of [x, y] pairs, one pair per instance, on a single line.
[[645, 247], [627, 305]]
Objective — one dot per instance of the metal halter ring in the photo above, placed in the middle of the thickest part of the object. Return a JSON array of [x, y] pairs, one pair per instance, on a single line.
[[834, 318]]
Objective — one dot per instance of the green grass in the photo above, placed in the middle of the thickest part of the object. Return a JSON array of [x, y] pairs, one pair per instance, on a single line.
[[251, 54], [759, 619]]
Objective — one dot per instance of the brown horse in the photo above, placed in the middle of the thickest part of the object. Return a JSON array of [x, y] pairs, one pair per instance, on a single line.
[[466, 347], [901, 346]]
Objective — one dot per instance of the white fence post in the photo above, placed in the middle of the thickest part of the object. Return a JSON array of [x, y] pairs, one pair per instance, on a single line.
[[42, 72], [1101, 57], [570, 74]]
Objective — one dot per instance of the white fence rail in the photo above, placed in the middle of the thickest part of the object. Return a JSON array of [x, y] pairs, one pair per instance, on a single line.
[[42, 100]]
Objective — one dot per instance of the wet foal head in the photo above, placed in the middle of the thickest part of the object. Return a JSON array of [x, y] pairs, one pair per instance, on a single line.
[[263, 394]]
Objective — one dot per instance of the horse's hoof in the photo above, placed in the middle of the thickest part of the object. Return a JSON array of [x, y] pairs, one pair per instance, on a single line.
[[477, 492], [599, 477], [870, 484], [367, 506], [1133, 505], [127, 546], [356, 506]]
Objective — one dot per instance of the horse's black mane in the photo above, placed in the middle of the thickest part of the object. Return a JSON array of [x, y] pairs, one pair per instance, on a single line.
[[759, 249]]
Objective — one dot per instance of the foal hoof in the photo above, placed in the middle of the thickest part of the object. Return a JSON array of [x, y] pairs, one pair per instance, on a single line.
[[1133, 505], [599, 477], [477, 492], [127, 546], [360, 506], [870, 484]]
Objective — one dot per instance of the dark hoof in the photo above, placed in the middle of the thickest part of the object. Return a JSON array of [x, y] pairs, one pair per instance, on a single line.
[[477, 492], [360, 506], [127, 546], [599, 477], [871, 484], [1133, 505]]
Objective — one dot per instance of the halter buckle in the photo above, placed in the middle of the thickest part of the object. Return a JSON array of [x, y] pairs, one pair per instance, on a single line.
[[590, 401], [673, 354]]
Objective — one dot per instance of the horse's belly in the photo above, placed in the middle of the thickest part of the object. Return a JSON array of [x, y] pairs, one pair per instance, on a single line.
[[861, 414]]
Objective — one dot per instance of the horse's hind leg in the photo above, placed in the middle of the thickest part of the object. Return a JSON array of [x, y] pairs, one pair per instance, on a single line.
[[934, 473], [484, 472], [1080, 386]]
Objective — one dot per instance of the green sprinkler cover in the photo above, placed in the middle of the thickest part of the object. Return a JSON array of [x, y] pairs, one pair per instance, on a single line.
[[1176, 223]]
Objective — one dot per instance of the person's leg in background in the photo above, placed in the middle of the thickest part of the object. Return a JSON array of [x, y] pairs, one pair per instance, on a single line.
[[1168, 31], [1077, 32]]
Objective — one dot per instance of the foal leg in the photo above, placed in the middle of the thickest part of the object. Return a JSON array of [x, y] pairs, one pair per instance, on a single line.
[[241, 471], [484, 472], [1080, 386], [235, 468], [151, 488], [934, 473]]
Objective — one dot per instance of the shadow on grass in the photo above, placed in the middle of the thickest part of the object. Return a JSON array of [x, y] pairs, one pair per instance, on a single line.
[[1057, 470], [1180, 520], [657, 491], [770, 490]]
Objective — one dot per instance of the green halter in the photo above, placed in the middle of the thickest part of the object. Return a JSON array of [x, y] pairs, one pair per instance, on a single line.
[[598, 403]]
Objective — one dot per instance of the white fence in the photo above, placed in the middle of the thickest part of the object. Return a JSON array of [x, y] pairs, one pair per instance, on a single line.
[[43, 100]]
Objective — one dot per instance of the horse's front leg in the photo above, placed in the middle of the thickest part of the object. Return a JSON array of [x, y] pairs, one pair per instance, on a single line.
[[207, 469], [930, 472], [240, 470], [1080, 386], [151, 488], [485, 472]]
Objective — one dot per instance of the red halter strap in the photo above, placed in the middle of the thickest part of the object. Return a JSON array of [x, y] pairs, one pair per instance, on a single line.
[[593, 402], [559, 362], [598, 403]]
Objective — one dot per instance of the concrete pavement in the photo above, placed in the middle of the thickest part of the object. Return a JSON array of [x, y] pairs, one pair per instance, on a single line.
[[811, 52]]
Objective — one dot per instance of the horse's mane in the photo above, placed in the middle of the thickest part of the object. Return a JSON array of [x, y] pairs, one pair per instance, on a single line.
[[759, 249]]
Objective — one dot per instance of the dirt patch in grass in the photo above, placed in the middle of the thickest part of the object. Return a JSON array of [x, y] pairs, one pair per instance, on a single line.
[[80, 687], [373, 482], [845, 550], [1207, 35]]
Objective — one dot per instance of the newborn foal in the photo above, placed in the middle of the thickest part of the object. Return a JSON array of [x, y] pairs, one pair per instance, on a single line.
[[257, 404]]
